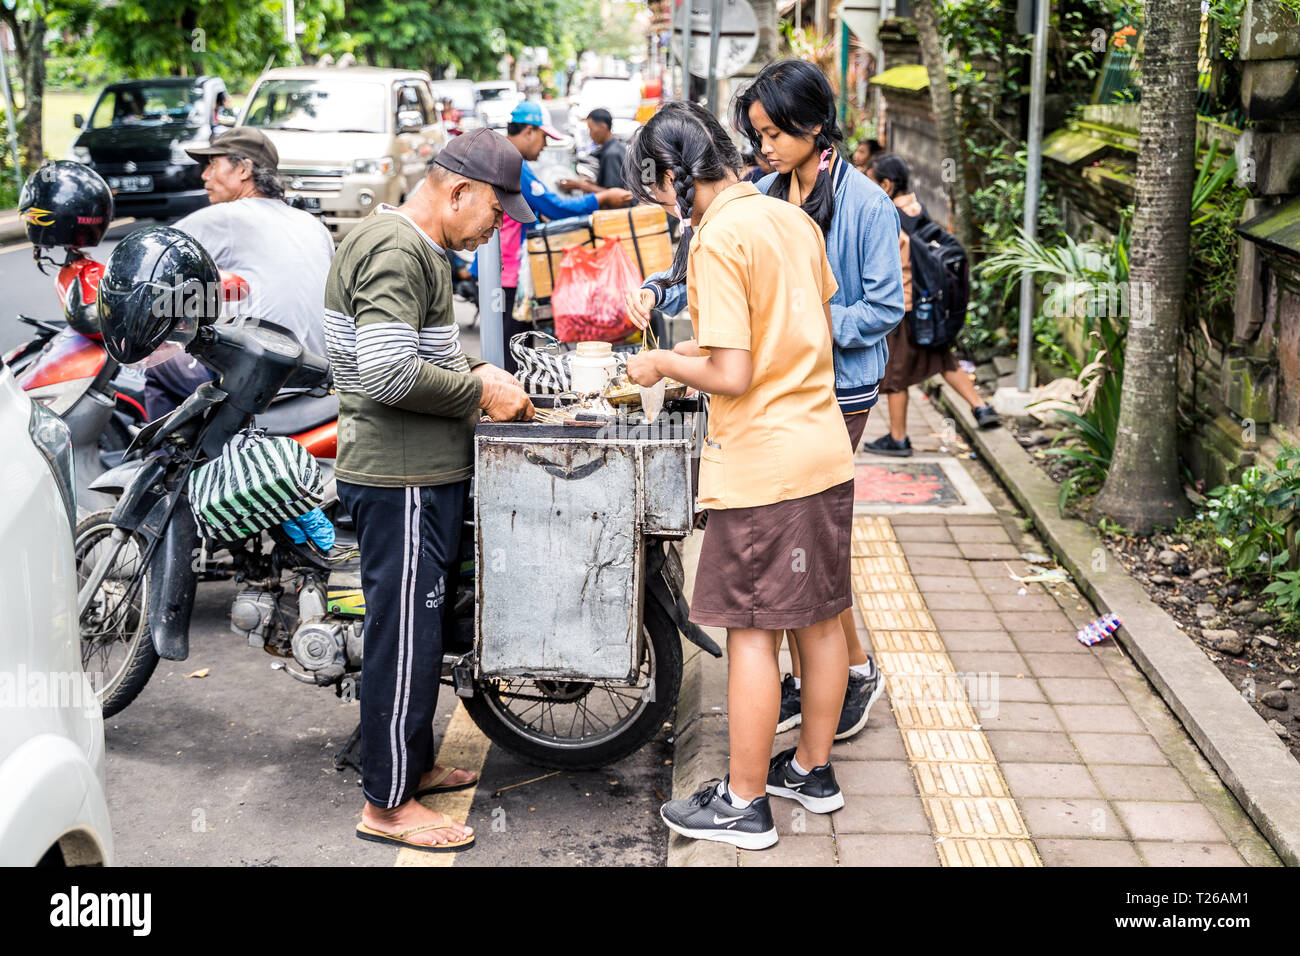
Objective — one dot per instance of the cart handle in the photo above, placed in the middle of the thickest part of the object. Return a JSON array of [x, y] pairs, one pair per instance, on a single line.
[[560, 471]]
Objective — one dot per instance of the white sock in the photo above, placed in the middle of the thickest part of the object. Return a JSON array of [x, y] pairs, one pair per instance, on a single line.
[[863, 670], [797, 683], [794, 765], [724, 789]]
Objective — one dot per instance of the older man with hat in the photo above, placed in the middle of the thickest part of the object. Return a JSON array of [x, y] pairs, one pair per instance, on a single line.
[[409, 398], [283, 253]]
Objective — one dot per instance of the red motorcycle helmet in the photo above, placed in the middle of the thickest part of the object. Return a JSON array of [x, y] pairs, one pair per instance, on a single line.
[[65, 204]]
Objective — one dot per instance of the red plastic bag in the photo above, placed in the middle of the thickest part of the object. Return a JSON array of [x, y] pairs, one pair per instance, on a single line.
[[588, 301]]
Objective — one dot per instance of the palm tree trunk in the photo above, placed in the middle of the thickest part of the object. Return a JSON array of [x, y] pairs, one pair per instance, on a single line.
[[1143, 489], [945, 114]]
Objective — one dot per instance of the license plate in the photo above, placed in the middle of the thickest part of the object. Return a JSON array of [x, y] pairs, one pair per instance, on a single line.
[[131, 184]]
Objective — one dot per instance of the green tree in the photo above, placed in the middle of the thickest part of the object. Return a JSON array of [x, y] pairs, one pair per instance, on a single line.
[[29, 20], [1143, 488]]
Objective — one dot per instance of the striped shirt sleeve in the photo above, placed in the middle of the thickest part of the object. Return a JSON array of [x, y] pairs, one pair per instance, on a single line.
[[390, 295]]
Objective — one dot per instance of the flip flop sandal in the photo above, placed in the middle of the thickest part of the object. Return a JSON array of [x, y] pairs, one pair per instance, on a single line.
[[436, 788], [400, 838]]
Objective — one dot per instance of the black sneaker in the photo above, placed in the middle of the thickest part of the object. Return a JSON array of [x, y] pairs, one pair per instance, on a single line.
[[986, 416], [861, 693], [887, 445], [791, 715], [817, 790], [708, 815]]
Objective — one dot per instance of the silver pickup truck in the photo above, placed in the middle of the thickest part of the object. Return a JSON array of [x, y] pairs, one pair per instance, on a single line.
[[349, 137]]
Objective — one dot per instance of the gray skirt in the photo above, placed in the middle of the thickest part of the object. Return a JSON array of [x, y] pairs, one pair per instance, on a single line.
[[777, 567]]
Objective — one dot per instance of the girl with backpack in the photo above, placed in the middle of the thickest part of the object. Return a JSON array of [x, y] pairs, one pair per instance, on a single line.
[[776, 473], [789, 115], [908, 363]]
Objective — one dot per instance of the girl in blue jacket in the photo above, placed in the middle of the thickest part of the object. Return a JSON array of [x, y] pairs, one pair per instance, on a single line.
[[788, 113]]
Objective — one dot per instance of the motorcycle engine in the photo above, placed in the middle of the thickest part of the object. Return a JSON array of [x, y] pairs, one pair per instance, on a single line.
[[324, 646], [253, 615]]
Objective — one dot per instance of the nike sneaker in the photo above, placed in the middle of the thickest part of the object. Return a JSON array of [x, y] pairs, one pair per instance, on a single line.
[[861, 693], [709, 815], [816, 790], [791, 715]]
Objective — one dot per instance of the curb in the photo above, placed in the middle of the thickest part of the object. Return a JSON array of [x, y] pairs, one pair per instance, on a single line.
[[1250, 759], [700, 748], [11, 230]]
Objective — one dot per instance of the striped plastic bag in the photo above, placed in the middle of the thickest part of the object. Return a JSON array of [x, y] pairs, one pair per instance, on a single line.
[[256, 483]]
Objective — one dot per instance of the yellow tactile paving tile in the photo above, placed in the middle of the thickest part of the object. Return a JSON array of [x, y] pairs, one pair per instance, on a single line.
[[977, 817], [988, 853], [896, 620], [974, 820], [959, 780], [905, 641], [891, 601]]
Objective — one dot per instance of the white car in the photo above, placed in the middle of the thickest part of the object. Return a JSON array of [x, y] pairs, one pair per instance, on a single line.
[[496, 101], [52, 804], [620, 95]]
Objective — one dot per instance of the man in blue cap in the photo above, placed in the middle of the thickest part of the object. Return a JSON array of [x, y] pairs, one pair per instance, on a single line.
[[528, 132]]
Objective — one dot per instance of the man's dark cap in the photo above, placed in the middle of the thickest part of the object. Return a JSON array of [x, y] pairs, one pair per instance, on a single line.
[[488, 157], [244, 141], [601, 116]]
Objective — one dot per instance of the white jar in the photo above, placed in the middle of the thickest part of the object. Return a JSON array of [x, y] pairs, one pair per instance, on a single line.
[[591, 367]]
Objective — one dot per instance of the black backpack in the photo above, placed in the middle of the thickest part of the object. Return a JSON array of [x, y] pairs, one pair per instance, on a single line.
[[940, 285]]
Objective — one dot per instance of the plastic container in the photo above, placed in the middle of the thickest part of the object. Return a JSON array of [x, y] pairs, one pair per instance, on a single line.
[[591, 367]]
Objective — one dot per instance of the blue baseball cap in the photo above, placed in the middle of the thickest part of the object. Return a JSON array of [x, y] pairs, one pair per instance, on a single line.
[[529, 113]]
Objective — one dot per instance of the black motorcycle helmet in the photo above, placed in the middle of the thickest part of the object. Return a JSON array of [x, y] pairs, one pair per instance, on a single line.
[[65, 204], [159, 285]]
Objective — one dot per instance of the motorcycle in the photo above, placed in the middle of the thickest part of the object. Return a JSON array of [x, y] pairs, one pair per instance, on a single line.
[[138, 567]]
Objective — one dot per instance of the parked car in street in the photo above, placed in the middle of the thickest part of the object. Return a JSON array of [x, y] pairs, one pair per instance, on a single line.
[[620, 95], [349, 137], [52, 805], [496, 100], [136, 137], [464, 103]]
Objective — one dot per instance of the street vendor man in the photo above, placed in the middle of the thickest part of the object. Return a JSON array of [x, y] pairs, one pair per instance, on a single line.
[[409, 398]]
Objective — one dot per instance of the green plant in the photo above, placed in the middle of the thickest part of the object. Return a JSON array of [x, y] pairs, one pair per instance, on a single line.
[[1285, 591], [1257, 517]]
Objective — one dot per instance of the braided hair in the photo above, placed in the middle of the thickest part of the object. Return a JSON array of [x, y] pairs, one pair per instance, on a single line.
[[688, 141], [798, 98]]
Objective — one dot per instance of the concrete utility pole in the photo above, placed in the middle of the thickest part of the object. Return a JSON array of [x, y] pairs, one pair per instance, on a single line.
[[490, 300], [715, 36], [1033, 181]]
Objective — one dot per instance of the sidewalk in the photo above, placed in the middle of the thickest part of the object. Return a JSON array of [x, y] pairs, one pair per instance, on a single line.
[[1001, 740]]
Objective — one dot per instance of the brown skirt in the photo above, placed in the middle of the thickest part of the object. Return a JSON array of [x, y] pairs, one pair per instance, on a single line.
[[909, 364], [778, 567]]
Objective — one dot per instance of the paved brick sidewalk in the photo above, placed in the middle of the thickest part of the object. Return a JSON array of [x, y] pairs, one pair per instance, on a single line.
[[1002, 740]]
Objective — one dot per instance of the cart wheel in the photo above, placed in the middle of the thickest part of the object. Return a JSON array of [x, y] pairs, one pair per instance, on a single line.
[[581, 725]]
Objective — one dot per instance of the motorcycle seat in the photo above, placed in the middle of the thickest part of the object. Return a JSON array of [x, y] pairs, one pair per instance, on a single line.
[[295, 413]]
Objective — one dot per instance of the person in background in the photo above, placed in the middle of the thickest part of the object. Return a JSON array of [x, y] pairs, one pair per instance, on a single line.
[[909, 364], [776, 474], [789, 114], [528, 132], [863, 153], [757, 163], [283, 253], [609, 151]]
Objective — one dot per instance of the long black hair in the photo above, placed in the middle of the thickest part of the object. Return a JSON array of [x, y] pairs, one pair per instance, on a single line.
[[687, 140], [798, 98], [891, 167]]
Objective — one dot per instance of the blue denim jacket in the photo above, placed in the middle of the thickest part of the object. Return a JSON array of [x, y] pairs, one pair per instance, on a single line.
[[862, 247]]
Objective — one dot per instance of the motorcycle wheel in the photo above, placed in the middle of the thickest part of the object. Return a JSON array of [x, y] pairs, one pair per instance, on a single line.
[[116, 650], [581, 725]]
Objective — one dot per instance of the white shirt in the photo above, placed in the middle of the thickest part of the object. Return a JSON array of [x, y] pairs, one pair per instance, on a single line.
[[283, 253]]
